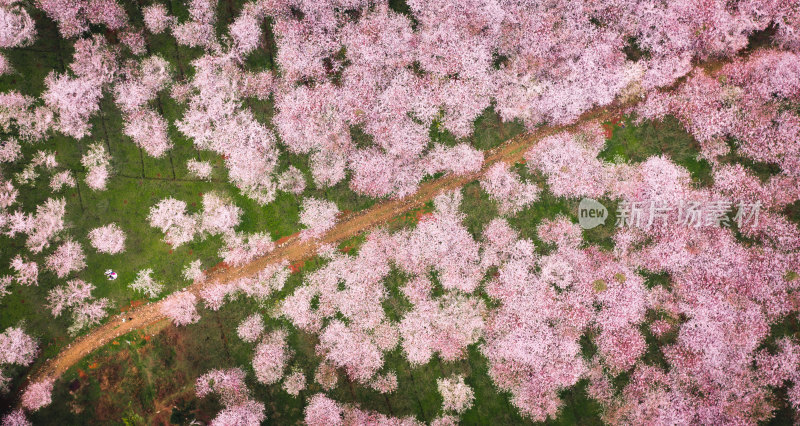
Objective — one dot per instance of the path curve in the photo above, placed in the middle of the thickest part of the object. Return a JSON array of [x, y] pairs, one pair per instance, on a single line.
[[293, 249]]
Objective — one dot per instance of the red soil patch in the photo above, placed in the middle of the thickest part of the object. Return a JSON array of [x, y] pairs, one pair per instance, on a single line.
[[422, 216], [282, 240], [608, 128], [132, 305], [219, 266]]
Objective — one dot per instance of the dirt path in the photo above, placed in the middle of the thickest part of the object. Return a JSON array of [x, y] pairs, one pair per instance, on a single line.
[[293, 250]]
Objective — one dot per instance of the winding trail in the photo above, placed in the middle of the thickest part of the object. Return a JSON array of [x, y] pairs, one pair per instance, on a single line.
[[293, 249]]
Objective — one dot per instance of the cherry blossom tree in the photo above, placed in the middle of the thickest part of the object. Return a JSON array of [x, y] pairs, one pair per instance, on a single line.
[[246, 31], [442, 244], [149, 131], [240, 408], [352, 349], [229, 384], [9, 150], [361, 90], [45, 224], [69, 295], [108, 239], [199, 30], [17, 28], [531, 353], [326, 376], [5, 283], [385, 383], [456, 395], [271, 357], [242, 248], [17, 222], [5, 66], [134, 40], [194, 271], [507, 189], [327, 168], [294, 383], [459, 160], [292, 180], [560, 231], [74, 100], [265, 282], [88, 314], [199, 169], [68, 15], [19, 114], [98, 165], [743, 102], [106, 12], [570, 164], [259, 286], [68, 257], [445, 421], [16, 418], [94, 60], [16, 347], [73, 18], [76, 295], [180, 308], [62, 179], [145, 283], [46, 159], [169, 215], [323, 411], [251, 328], [26, 273], [215, 119], [138, 84], [156, 18], [219, 215], [318, 216], [215, 295], [8, 194], [37, 395], [781, 367], [445, 326]]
